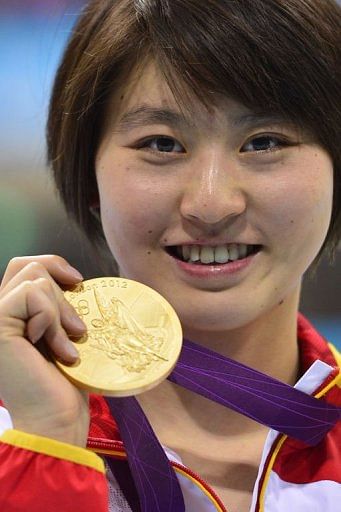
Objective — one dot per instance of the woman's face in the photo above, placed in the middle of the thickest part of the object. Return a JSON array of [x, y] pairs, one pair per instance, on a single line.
[[223, 184]]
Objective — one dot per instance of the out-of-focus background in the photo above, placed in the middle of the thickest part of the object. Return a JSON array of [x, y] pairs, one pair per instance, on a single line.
[[32, 36]]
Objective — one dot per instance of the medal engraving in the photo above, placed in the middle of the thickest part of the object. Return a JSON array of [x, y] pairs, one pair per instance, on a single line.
[[120, 336], [133, 339]]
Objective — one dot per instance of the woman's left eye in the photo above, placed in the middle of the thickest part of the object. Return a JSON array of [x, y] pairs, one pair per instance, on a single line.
[[264, 143], [163, 145]]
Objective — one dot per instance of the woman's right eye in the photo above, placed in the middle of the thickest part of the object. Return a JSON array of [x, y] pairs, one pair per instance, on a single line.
[[162, 144]]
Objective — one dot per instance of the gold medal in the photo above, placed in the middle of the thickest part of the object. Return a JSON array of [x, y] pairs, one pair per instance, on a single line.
[[133, 338]]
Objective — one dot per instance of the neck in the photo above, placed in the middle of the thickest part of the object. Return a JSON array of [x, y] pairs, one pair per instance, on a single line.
[[269, 344]]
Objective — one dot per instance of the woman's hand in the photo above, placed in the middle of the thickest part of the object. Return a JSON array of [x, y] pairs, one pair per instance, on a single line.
[[33, 312]]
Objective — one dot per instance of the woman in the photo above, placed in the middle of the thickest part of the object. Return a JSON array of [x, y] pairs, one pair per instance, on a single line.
[[202, 140]]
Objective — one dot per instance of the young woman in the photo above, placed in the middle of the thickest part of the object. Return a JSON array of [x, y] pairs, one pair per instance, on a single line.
[[201, 141]]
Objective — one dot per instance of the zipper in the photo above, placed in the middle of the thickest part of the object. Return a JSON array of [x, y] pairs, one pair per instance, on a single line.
[[329, 383], [109, 447], [202, 483], [115, 449]]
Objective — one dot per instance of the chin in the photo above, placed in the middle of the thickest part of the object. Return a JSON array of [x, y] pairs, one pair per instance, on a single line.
[[215, 321]]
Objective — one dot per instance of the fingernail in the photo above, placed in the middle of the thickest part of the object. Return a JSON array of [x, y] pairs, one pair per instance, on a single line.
[[72, 351], [78, 322], [74, 272]]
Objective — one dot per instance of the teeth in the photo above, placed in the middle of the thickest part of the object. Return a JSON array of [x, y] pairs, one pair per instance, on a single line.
[[221, 254], [206, 255], [195, 253], [186, 252], [242, 248], [233, 252]]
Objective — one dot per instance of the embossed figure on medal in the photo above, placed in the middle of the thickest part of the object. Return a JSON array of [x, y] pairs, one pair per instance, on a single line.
[[119, 335]]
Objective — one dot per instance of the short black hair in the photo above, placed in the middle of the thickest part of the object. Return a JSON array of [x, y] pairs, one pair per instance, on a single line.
[[278, 56]]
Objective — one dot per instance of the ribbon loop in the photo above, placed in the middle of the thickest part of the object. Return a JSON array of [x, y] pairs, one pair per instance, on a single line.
[[155, 479], [231, 384], [254, 394]]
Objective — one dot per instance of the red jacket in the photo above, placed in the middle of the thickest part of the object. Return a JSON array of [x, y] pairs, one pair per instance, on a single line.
[[40, 474]]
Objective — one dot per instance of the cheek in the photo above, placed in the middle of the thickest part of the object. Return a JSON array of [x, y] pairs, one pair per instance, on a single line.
[[132, 206], [301, 205]]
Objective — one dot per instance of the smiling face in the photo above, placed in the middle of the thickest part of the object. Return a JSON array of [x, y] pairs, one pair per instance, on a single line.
[[221, 213]]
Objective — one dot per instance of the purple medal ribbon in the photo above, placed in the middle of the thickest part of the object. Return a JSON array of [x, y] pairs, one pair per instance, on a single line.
[[254, 394], [156, 483], [231, 384]]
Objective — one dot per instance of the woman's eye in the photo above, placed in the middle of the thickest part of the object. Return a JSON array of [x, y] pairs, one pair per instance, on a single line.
[[163, 145], [263, 143]]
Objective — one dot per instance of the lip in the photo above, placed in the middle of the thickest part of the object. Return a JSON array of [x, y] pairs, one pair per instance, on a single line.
[[211, 243], [233, 268]]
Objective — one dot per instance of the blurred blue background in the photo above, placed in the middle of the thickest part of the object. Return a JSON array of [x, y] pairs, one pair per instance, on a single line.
[[32, 36]]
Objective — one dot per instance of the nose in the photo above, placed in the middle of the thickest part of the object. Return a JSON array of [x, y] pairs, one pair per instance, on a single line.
[[214, 193]]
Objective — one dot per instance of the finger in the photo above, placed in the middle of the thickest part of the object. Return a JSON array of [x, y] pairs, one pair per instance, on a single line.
[[54, 336], [35, 270], [70, 319], [45, 321], [58, 268], [31, 312]]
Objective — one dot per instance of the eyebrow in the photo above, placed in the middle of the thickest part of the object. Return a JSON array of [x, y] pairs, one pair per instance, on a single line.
[[146, 115], [256, 119]]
